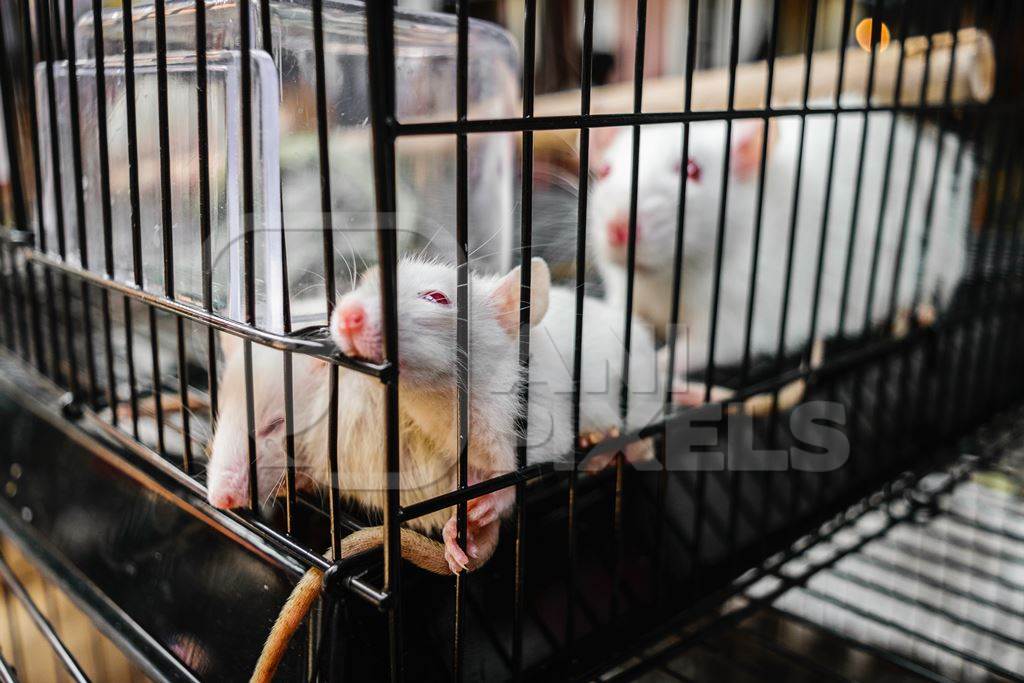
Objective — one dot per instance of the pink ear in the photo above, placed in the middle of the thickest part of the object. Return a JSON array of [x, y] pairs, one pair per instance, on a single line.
[[748, 138], [505, 296]]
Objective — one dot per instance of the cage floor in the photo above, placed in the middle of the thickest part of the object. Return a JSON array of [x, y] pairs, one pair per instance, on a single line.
[[928, 586]]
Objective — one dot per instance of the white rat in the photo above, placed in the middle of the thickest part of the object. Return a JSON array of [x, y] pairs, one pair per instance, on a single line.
[[427, 375], [427, 404], [427, 329], [660, 166]]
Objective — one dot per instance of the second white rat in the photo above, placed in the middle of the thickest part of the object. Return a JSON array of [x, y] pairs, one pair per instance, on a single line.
[[660, 166]]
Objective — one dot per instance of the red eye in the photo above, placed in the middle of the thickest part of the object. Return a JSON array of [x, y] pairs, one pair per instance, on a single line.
[[272, 427], [603, 171], [434, 296]]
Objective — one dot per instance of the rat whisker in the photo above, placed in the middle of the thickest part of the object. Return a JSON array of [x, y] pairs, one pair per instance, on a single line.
[[483, 244]]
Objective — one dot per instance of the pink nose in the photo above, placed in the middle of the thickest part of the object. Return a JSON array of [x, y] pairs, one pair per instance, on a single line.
[[351, 316], [618, 231], [227, 500]]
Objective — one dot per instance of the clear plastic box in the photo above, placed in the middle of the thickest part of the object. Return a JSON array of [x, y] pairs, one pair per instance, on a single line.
[[285, 147]]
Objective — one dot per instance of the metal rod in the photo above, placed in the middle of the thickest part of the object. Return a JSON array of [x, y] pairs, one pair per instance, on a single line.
[[579, 291], [526, 270], [46, 631], [381, 47]]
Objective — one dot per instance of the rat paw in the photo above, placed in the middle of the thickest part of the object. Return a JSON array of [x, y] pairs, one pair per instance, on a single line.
[[595, 463], [481, 542], [640, 451], [594, 437], [693, 396]]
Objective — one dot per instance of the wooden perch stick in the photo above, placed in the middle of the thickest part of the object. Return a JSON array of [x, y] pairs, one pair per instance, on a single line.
[[973, 81]]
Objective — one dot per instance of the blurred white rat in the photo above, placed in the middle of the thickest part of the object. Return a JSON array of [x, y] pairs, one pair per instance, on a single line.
[[660, 166]]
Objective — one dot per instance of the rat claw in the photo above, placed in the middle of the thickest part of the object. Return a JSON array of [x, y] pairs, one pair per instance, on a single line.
[[593, 438], [453, 553]]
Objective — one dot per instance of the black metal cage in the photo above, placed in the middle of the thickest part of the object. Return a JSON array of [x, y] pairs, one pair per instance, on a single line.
[[591, 567]]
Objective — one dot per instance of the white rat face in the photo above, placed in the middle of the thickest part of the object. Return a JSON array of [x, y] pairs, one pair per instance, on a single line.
[[661, 166], [228, 470], [427, 320]]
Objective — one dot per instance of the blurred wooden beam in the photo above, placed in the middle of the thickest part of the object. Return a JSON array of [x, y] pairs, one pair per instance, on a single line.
[[973, 81]]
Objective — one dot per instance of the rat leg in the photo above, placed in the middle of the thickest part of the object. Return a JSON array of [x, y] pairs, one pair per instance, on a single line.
[[483, 522], [758, 405], [761, 405], [481, 542], [596, 436]]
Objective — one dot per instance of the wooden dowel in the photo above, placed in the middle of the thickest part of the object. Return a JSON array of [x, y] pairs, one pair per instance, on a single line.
[[974, 79]]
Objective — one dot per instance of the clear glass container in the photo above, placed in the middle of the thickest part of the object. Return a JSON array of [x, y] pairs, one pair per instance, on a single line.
[[286, 168]]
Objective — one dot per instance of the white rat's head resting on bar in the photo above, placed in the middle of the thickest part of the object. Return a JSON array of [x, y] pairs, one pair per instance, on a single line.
[[228, 471], [427, 322]]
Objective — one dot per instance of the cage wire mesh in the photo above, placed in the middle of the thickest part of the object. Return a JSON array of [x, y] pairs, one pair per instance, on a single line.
[[808, 216]]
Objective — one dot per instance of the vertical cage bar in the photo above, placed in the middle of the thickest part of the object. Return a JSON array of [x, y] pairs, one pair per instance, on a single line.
[[734, 39], [40, 233], [526, 255], [909, 411], [380, 37], [11, 136], [627, 341], [829, 175], [334, 499], [709, 379], [673, 332], [827, 206], [128, 31], [881, 436], [166, 225], [105, 206], [76, 165], [286, 320], [165, 218], [851, 243], [47, 47], [462, 306], [780, 349], [20, 217], [248, 240], [991, 246], [586, 83], [203, 159], [748, 321], [883, 203]]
